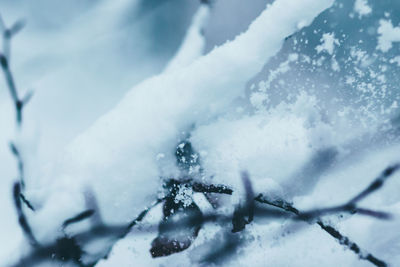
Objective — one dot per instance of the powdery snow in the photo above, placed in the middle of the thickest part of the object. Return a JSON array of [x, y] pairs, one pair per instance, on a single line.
[[328, 43], [362, 8], [388, 34]]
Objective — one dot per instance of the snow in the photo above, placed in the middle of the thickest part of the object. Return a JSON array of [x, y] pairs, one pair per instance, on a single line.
[[396, 60], [362, 8], [282, 68], [194, 43], [226, 155], [328, 43], [388, 34]]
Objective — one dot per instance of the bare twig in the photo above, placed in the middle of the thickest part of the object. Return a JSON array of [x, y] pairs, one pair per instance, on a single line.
[[20, 163], [19, 103], [26, 202], [377, 183], [8, 34], [351, 205], [77, 218], [23, 222]]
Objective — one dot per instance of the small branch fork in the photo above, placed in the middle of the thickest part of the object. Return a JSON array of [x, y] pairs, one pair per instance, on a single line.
[[8, 34], [343, 240], [351, 207]]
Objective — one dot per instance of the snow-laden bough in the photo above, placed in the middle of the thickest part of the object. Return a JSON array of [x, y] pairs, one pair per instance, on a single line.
[[117, 156]]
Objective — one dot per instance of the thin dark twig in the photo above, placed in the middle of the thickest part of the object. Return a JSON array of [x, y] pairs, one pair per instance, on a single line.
[[220, 189], [77, 218], [23, 222], [377, 183], [351, 205], [374, 213], [20, 163], [345, 241], [249, 195], [26, 202], [18, 103], [349, 208], [8, 33], [126, 229]]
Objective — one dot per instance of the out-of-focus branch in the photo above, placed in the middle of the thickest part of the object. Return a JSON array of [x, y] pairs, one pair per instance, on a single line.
[[20, 163], [23, 222], [377, 183], [19, 103], [8, 34], [244, 214]]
